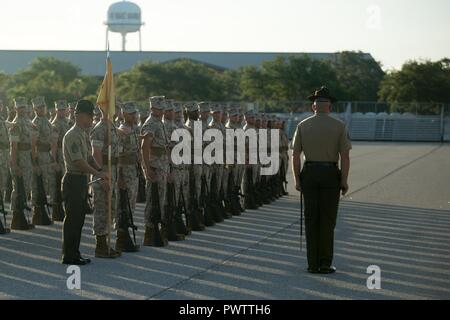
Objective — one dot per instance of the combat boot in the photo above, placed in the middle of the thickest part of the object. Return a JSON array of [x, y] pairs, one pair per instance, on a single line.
[[152, 236], [124, 242], [40, 217], [3, 230], [19, 222], [195, 219], [164, 231], [102, 250], [172, 233], [209, 221], [57, 212]]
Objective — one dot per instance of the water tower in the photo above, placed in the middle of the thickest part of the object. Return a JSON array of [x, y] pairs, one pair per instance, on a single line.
[[124, 17]]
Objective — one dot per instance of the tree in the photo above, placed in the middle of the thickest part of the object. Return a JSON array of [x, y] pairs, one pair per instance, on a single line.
[[417, 82], [181, 80], [358, 76], [52, 78]]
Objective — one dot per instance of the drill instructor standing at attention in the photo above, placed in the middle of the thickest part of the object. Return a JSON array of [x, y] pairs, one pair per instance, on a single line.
[[323, 140]]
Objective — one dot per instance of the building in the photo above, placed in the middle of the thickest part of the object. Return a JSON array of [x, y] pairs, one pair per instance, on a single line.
[[93, 62]]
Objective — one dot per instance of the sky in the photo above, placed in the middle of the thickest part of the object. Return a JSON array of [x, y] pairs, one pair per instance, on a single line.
[[393, 31]]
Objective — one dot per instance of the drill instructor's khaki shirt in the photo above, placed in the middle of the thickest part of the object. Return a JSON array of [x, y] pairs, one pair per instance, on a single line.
[[75, 147], [321, 138]]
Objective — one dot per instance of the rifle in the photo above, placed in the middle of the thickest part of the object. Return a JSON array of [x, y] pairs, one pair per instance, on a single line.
[[57, 212], [21, 198], [3, 211], [126, 215], [206, 203], [41, 200], [156, 215]]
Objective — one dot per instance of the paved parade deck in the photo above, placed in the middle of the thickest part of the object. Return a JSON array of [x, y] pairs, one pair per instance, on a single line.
[[396, 216]]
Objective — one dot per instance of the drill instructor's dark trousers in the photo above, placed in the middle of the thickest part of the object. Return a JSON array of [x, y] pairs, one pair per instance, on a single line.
[[74, 193], [321, 190]]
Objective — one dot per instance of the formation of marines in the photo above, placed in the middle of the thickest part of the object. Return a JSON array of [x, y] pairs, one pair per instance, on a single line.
[[136, 149]]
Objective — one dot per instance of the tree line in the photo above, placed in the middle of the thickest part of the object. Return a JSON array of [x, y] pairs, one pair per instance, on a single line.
[[350, 76]]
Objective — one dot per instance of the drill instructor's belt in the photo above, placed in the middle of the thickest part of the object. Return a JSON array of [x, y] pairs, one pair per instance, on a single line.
[[43, 147], [4, 146], [158, 151], [128, 159], [23, 146], [114, 160], [320, 164]]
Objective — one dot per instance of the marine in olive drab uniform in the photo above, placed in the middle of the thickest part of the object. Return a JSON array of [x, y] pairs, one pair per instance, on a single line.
[[4, 165], [156, 166], [22, 138], [173, 179], [101, 139], [195, 172], [78, 164], [323, 140], [45, 165], [128, 177]]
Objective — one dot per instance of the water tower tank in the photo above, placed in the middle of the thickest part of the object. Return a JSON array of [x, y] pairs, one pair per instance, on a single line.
[[124, 17]]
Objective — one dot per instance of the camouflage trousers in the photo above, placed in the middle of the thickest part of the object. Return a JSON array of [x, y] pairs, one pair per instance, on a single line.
[[207, 171], [48, 177], [177, 179], [102, 222], [4, 170], [217, 171], [151, 215], [24, 163], [131, 179], [184, 177], [197, 170], [238, 174], [225, 177], [250, 174]]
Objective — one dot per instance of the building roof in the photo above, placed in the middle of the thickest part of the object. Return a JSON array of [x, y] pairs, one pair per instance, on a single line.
[[93, 62]]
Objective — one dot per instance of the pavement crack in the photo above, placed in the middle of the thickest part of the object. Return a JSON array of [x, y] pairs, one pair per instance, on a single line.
[[222, 262], [394, 171]]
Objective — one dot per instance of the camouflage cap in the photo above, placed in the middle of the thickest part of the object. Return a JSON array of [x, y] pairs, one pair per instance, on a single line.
[[233, 112], [38, 102], [169, 105], [61, 105], [191, 106], [20, 102], [203, 106], [250, 113], [157, 102], [129, 107], [216, 107]]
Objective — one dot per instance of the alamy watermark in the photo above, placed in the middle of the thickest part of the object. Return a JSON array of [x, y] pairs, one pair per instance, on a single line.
[[374, 280], [213, 153]]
